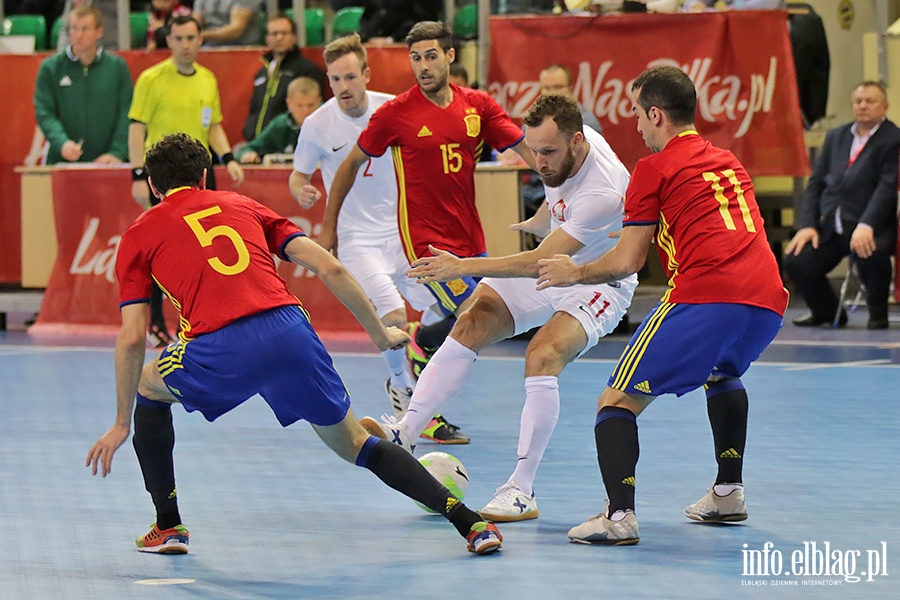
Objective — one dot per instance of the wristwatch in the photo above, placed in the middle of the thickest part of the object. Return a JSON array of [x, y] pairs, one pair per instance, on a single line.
[[139, 174]]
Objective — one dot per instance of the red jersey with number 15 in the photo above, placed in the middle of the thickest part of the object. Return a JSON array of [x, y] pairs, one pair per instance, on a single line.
[[710, 235], [435, 152], [211, 252]]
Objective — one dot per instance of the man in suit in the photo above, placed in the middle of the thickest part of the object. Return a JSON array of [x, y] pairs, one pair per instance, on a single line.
[[850, 206]]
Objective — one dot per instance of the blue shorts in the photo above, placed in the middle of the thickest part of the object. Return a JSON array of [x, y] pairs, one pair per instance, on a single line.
[[275, 354], [451, 294], [679, 346]]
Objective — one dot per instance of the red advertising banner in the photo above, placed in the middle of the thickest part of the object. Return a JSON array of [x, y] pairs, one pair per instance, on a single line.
[[740, 62], [93, 207], [234, 70]]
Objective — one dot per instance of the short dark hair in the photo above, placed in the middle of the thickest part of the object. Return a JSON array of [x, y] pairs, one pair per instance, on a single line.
[[431, 30], [175, 161], [564, 111], [182, 20], [277, 16], [670, 90]]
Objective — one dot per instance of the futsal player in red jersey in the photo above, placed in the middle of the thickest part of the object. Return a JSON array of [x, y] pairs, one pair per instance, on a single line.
[[723, 307], [242, 333], [436, 132]]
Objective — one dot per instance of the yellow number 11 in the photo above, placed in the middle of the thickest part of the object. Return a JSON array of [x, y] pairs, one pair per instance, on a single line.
[[715, 181]]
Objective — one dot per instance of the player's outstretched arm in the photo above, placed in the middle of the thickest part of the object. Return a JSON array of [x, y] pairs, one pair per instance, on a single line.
[[130, 349], [624, 259], [340, 187], [338, 279], [444, 266]]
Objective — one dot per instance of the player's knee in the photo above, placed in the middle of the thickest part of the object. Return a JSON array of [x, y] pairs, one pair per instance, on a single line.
[[473, 327], [543, 359]]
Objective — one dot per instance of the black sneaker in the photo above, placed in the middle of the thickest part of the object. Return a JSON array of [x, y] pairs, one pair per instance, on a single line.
[[443, 432]]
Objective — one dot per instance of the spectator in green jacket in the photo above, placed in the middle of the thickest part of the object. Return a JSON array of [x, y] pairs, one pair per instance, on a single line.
[[82, 96], [304, 95]]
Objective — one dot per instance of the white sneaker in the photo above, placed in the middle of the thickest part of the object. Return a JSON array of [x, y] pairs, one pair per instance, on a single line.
[[389, 429], [510, 503], [399, 397], [713, 508], [622, 531]]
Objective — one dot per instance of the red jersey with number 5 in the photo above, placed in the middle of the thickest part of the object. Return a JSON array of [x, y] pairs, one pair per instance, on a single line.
[[435, 151], [710, 235], [211, 252]]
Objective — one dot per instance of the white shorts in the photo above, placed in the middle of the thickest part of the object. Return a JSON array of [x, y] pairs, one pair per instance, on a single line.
[[380, 268], [598, 308]]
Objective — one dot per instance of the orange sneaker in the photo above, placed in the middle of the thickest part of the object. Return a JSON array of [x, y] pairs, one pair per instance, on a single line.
[[168, 541]]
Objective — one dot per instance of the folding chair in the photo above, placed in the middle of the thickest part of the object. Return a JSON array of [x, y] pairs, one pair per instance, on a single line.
[[843, 302]]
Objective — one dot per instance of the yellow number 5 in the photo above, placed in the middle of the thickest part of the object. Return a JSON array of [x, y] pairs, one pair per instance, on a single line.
[[206, 236]]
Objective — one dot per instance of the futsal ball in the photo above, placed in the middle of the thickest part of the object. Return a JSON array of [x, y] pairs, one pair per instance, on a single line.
[[449, 471]]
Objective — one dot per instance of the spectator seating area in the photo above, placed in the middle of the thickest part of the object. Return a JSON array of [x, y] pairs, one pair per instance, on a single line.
[[346, 20]]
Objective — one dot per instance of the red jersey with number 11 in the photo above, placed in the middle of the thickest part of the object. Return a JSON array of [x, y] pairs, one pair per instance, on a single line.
[[211, 252], [710, 235]]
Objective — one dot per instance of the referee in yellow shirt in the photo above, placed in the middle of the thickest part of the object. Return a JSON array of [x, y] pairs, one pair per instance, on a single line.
[[176, 95]]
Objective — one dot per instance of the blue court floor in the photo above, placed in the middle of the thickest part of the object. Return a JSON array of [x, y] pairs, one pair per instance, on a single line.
[[273, 514]]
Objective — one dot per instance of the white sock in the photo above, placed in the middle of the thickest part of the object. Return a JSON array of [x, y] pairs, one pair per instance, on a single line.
[[439, 382], [539, 416], [397, 367], [723, 489]]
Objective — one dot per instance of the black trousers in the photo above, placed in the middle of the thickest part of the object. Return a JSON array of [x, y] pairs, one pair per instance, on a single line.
[[810, 268]]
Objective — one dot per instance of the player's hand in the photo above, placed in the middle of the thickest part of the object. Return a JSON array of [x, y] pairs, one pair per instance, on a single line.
[[558, 271], [327, 238], [862, 242], [102, 452], [443, 266], [71, 151], [107, 159], [309, 195], [236, 172], [531, 225], [614, 235], [806, 235], [140, 191], [396, 339], [250, 157]]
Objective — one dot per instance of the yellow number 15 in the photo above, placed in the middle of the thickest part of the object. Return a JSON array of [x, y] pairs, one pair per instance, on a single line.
[[206, 236], [719, 190]]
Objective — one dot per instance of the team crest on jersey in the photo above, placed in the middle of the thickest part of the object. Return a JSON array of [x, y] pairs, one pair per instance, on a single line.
[[473, 123], [558, 210], [457, 286]]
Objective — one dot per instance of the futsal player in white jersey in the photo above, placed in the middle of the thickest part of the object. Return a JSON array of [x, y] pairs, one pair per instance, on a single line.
[[585, 184], [367, 227]]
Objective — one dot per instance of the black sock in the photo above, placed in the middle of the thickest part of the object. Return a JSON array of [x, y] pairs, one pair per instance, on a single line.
[[616, 434], [397, 468], [429, 337], [726, 405], [154, 440]]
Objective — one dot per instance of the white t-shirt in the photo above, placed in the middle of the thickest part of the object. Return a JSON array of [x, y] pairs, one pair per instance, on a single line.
[[369, 212], [591, 204]]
